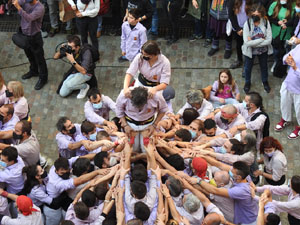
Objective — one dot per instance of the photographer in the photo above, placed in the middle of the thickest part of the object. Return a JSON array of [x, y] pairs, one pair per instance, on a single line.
[[32, 13], [82, 70]]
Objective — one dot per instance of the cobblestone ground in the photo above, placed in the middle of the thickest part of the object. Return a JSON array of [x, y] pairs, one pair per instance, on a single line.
[[191, 68]]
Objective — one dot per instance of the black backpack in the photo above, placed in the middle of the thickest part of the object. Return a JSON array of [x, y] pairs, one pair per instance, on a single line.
[[266, 132], [94, 51]]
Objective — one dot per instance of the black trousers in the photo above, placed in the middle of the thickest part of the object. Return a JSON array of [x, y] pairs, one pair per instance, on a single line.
[[239, 42], [35, 55], [173, 16], [293, 220], [88, 26], [275, 183]]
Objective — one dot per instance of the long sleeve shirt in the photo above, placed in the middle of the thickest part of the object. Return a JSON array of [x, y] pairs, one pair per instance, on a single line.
[[292, 80], [292, 206], [247, 157], [91, 10], [205, 109], [20, 106], [99, 115], [9, 125], [133, 39], [237, 121], [214, 91], [31, 17], [39, 195]]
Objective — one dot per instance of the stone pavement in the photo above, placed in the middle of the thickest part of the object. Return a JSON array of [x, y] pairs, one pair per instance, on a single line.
[[191, 68]]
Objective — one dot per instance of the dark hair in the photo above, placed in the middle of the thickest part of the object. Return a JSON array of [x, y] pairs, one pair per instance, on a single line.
[[60, 125], [31, 181], [174, 186], [184, 134], [116, 120], [256, 99], [136, 13], [26, 127], [61, 163], [10, 109], [74, 39], [93, 92], [269, 142], [272, 219], [289, 9], [141, 211], [87, 127], [176, 161], [139, 173], [99, 159], [230, 81], [80, 166], [295, 181], [11, 153], [102, 134], [139, 96], [259, 8], [101, 190], [109, 221], [66, 222], [189, 114], [209, 124], [151, 48], [135, 222], [138, 188], [81, 210], [242, 169], [88, 198], [237, 6], [237, 147]]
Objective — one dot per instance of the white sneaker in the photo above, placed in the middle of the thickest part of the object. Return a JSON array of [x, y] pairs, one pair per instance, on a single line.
[[83, 92], [273, 67]]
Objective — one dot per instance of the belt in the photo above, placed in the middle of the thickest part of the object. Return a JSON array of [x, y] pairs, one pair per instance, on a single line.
[[128, 119], [146, 82]]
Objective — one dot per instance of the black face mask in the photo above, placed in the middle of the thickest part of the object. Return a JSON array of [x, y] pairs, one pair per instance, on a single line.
[[44, 175], [1, 118], [147, 58], [17, 136], [224, 120], [255, 18], [73, 130], [8, 94], [210, 135], [65, 176]]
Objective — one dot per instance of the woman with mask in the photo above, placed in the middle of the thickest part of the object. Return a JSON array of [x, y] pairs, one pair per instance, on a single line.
[[14, 94], [274, 160], [257, 37], [280, 14], [154, 70]]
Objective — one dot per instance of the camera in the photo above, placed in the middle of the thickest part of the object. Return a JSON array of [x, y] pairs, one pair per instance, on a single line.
[[65, 49]]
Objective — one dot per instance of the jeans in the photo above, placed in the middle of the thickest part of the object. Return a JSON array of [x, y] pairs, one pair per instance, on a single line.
[[88, 25], [100, 19], [154, 26], [53, 15], [231, 101], [53, 217], [263, 64], [74, 82], [173, 16], [35, 55], [198, 27]]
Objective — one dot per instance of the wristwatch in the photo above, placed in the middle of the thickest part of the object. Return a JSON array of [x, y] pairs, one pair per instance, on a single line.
[[74, 63]]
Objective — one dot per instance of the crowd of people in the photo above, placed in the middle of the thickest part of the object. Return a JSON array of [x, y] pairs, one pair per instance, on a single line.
[[212, 162]]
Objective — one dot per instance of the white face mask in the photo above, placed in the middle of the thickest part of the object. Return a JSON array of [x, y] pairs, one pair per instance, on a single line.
[[113, 161], [238, 137]]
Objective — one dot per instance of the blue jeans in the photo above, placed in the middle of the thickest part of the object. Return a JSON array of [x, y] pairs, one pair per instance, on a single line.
[[99, 23], [198, 27], [74, 82], [154, 26], [263, 64], [53, 217], [231, 101]]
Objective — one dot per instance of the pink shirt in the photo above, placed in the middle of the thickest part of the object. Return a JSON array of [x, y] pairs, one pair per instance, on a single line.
[[2, 91], [154, 105], [160, 71], [226, 93], [20, 106]]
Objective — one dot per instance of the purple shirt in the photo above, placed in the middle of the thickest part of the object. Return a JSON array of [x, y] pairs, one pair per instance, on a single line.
[[156, 104], [292, 80], [12, 176], [242, 15], [92, 219], [31, 17], [237, 121], [245, 207], [160, 71], [20, 106], [9, 125], [132, 40], [39, 195], [99, 115], [63, 141]]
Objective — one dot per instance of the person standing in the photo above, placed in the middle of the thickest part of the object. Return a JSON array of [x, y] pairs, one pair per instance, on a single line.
[[32, 13]]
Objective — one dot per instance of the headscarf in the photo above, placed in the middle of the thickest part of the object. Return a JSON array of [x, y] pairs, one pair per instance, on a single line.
[[25, 205], [200, 166]]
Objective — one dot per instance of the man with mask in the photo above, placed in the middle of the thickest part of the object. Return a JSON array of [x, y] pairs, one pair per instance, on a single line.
[[7, 121], [66, 138], [83, 67], [32, 13], [97, 108]]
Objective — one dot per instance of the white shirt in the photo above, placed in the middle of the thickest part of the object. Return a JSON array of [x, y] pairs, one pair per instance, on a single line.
[[205, 109], [34, 219]]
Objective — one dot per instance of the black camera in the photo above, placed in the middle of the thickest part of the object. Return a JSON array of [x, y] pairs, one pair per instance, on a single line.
[[65, 49]]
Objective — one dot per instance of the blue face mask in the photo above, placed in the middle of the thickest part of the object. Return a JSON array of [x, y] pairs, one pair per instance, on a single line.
[[223, 150], [93, 136], [98, 106], [3, 164], [231, 175], [297, 10], [270, 154], [245, 104], [193, 133]]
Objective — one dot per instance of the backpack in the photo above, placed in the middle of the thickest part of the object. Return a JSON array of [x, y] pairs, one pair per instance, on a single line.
[[280, 70], [266, 132], [104, 7], [94, 51]]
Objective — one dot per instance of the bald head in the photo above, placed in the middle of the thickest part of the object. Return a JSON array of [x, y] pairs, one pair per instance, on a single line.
[[229, 109], [212, 219], [222, 178]]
